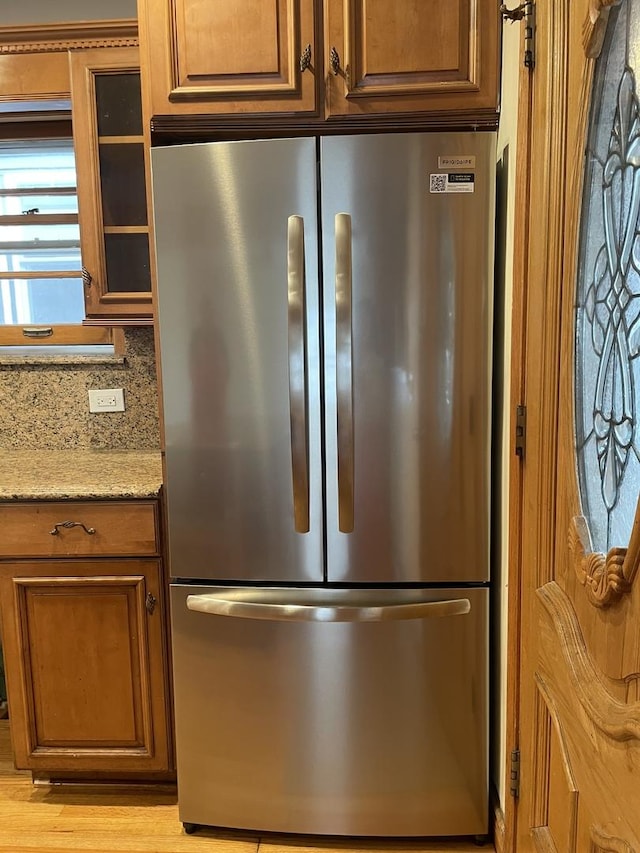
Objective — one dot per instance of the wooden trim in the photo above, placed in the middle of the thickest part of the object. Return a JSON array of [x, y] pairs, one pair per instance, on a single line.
[[40, 218], [125, 229], [103, 781], [517, 396], [539, 767], [46, 38], [541, 357], [116, 298], [29, 191], [225, 126], [120, 140], [115, 316], [561, 735], [29, 275], [34, 76], [61, 335], [118, 340]]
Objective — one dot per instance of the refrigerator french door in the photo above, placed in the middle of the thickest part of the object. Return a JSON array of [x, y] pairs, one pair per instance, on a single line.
[[325, 322]]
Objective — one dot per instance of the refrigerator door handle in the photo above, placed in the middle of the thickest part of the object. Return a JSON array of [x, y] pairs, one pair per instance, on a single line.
[[253, 608], [298, 377], [344, 372]]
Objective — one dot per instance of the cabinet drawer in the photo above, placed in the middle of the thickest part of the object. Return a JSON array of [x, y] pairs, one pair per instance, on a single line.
[[119, 528]]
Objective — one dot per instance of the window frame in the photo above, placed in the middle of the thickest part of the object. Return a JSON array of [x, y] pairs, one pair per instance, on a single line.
[[34, 66], [54, 333]]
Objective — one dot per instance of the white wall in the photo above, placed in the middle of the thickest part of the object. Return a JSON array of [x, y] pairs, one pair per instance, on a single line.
[[16, 12], [512, 51]]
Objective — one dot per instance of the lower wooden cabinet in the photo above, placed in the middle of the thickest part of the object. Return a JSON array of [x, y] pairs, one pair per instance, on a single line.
[[85, 651]]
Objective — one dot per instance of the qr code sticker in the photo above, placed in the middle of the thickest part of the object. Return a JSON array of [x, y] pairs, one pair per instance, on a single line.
[[438, 184]]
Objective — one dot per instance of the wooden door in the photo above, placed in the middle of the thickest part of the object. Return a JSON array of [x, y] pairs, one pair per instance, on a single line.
[[85, 665], [579, 694], [384, 56], [235, 58]]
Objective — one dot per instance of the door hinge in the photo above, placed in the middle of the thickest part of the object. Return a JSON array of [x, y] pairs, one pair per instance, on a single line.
[[524, 12], [514, 779], [521, 430]]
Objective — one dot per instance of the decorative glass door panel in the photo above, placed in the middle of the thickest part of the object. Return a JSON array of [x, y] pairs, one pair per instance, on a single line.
[[608, 299]]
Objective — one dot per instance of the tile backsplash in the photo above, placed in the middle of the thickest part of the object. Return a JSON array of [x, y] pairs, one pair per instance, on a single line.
[[47, 405]]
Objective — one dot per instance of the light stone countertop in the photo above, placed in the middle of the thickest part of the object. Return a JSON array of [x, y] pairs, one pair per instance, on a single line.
[[60, 474]]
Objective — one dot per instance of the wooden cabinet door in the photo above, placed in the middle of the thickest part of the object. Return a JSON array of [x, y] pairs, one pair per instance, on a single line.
[[85, 664], [114, 191], [433, 55], [240, 57]]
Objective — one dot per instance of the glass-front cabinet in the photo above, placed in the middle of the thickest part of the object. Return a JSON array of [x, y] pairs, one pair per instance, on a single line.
[[113, 185]]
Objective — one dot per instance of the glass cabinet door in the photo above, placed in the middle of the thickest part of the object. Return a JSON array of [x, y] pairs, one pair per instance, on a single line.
[[113, 184]]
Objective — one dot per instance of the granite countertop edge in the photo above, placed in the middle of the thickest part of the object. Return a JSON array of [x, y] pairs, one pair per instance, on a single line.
[[27, 475]]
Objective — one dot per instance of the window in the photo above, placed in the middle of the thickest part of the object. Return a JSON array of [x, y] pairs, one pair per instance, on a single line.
[[41, 285], [40, 266]]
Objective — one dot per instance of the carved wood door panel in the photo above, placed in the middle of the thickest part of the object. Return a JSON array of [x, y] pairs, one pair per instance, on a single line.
[[579, 699]]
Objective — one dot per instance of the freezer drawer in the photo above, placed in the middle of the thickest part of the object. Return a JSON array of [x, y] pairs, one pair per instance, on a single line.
[[360, 712]]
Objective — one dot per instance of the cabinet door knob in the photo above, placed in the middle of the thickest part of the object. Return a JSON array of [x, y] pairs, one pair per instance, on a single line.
[[68, 524], [334, 61], [87, 278], [305, 58], [150, 602]]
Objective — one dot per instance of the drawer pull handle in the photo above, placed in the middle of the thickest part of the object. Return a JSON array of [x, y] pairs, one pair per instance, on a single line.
[[37, 331], [305, 59], [334, 61], [87, 278], [150, 603], [67, 524]]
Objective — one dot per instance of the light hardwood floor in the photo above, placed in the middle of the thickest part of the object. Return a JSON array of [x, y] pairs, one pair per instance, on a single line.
[[44, 819]]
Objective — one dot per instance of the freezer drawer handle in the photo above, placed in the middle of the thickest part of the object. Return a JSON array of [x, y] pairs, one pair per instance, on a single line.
[[246, 609], [298, 376], [344, 373]]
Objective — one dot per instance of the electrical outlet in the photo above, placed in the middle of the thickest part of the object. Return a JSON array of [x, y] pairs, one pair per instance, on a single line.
[[106, 400]]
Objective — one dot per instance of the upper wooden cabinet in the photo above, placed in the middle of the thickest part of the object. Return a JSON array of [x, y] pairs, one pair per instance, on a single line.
[[240, 57], [112, 165], [432, 59], [405, 56]]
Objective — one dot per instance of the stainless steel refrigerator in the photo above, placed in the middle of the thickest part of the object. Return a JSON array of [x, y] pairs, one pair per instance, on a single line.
[[325, 329]]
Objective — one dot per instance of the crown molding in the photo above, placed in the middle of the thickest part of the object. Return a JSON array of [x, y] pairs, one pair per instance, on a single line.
[[48, 38]]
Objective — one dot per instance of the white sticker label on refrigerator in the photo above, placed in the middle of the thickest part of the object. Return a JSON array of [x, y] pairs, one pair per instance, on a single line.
[[457, 162], [452, 182]]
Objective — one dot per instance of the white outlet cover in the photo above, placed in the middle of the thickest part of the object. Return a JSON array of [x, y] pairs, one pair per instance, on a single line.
[[106, 400]]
